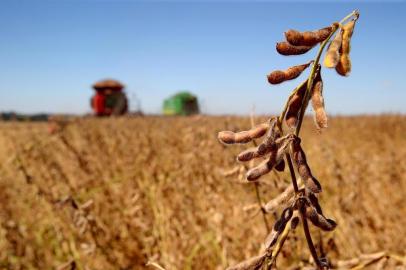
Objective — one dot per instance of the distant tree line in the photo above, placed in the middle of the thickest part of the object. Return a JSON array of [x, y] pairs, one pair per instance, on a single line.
[[13, 116]]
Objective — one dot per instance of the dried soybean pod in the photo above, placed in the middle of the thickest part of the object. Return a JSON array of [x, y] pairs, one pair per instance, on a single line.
[[254, 263], [282, 199], [258, 131], [291, 73], [229, 137], [242, 137], [268, 144], [294, 105], [258, 171], [248, 154], [276, 156], [255, 152], [266, 147], [278, 227], [280, 167], [286, 215], [348, 30], [284, 48], [299, 157], [344, 64], [309, 38], [295, 222], [226, 137], [294, 37], [320, 115], [282, 147], [319, 220], [276, 77], [333, 52], [315, 202]]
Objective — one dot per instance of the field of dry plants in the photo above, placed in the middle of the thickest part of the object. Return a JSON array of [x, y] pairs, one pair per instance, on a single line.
[[117, 193]]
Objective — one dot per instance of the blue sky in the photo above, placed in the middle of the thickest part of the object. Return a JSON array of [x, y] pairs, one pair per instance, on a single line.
[[52, 51]]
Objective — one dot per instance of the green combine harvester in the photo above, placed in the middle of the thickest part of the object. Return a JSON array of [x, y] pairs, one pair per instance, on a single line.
[[182, 103]]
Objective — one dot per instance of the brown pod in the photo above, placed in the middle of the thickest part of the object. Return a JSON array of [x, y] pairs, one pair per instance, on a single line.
[[266, 147], [268, 144], [248, 154], [333, 52], [286, 215], [303, 169], [320, 115], [278, 228], [295, 222], [315, 203], [276, 77], [226, 137], [275, 157], [283, 144], [348, 30], [294, 37], [319, 220], [262, 169], [280, 167], [242, 137], [320, 118], [344, 64], [294, 105], [254, 263], [308, 38], [229, 137], [258, 131], [291, 73], [284, 48]]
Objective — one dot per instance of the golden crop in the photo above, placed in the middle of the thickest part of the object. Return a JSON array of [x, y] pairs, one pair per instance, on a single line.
[[117, 193]]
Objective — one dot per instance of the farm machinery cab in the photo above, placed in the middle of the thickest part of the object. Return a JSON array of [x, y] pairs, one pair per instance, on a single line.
[[109, 98]]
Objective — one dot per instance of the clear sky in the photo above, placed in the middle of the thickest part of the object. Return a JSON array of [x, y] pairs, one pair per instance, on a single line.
[[52, 51]]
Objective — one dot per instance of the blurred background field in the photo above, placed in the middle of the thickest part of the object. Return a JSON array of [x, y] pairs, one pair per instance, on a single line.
[[116, 193]]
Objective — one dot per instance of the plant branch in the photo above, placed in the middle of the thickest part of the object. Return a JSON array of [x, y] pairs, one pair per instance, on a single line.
[[305, 102], [292, 173], [354, 13]]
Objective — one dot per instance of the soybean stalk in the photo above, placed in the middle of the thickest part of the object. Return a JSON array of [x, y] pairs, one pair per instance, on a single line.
[[297, 131]]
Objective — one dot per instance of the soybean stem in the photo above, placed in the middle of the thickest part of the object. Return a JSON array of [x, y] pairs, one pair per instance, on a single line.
[[297, 131], [292, 173], [354, 13]]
